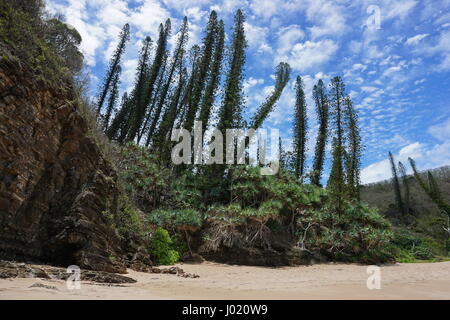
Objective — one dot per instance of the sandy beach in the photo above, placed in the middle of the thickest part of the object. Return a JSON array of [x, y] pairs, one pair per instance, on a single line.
[[218, 281]]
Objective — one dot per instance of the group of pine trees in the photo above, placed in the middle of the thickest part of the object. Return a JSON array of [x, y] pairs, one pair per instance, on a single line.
[[175, 89], [338, 122], [402, 199]]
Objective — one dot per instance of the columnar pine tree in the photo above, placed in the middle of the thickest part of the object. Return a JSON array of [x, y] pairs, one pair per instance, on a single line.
[[405, 183], [300, 129], [283, 74], [231, 108], [204, 66], [353, 154], [113, 66], [176, 60], [396, 185], [112, 100], [136, 100], [154, 99], [194, 54], [321, 101], [336, 183], [214, 77], [162, 141], [140, 109], [120, 121]]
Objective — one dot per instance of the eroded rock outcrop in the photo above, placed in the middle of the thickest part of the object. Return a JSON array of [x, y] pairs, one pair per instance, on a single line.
[[54, 181]]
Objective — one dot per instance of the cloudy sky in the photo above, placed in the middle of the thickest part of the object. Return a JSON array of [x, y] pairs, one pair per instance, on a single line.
[[394, 56]]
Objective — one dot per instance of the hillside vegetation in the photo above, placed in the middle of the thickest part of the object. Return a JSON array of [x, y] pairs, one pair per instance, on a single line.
[[224, 212]]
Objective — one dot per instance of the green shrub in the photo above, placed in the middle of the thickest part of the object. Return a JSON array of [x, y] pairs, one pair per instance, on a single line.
[[178, 218], [161, 248], [423, 252], [359, 234], [404, 256]]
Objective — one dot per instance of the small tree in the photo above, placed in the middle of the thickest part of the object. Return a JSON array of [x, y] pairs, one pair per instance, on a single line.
[[396, 185]]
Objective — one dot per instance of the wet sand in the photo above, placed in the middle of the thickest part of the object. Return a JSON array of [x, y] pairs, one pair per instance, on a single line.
[[219, 281]]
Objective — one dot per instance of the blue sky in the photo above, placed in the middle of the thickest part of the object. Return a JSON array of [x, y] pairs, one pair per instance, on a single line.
[[397, 71]]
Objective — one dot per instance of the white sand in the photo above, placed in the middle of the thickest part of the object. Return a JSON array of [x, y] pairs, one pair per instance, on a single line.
[[218, 281]]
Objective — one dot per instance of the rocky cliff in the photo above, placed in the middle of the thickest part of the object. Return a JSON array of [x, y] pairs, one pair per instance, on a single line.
[[54, 181]]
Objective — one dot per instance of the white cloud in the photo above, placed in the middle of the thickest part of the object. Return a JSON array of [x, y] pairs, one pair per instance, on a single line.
[[309, 55], [257, 37], [416, 39], [426, 156], [398, 8], [288, 37], [148, 16], [369, 89], [264, 8], [327, 16], [381, 170], [441, 131]]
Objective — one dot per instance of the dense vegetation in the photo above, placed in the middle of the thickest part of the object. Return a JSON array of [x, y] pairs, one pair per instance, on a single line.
[[417, 205], [208, 208], [215, 208]]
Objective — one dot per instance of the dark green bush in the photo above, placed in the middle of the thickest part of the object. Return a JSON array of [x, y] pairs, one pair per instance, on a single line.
[[359, 234], [162, 248]]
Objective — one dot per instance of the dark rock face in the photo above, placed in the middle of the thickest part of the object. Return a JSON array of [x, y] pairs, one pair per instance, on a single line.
[[263, 257], [21, 270], [54, 181]]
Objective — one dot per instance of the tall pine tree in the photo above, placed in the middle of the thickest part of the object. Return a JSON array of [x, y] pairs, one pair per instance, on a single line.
[[405, 184], [176, 60], [204, 66], [140, 109], [354, 150], [124, 37], [112, 100], [232, 102], [322, 110], [336, 183], [300, 129], [214, 77], [396, 185]]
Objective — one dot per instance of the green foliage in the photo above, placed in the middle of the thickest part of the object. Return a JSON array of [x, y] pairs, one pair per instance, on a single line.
[[396, 184], [203, 67], [161, 248], [300, 130], [336, 183], [178, 218], [432, 189], [354, 150], [146, 88], [230, 111], [415, 246], [141, 177], [283, 73], [41, 45], [113, 68], [322, 110], [214, 78], [358, 234], [177, 60]]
